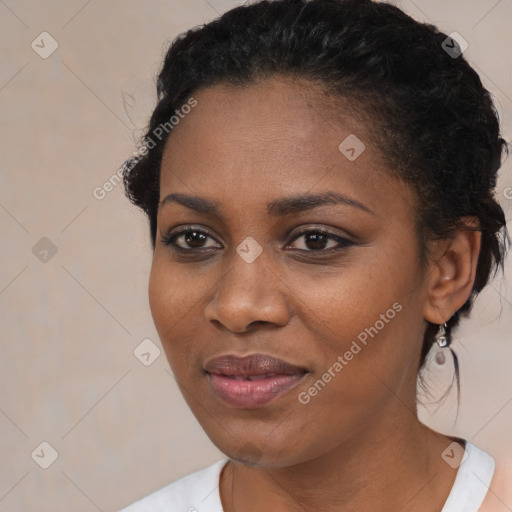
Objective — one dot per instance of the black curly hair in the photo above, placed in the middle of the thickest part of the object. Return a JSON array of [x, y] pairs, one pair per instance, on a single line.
[[433, 121]]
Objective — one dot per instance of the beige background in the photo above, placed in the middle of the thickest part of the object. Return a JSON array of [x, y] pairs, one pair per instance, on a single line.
[[69, 326]]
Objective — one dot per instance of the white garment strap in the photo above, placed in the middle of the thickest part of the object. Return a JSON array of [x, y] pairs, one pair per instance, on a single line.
[[472, 481]]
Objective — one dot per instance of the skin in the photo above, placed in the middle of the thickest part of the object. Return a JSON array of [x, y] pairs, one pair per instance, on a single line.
[[358, 444]]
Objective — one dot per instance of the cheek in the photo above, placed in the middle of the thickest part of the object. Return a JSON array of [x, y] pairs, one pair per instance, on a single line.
[[368, 314], [176, 298], [167, 301], [164, 295], [172, 292], [348, 300], [159, 294]]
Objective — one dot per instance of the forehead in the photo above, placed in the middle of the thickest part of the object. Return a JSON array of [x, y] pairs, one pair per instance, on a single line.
[[277, 135], [284, 106]]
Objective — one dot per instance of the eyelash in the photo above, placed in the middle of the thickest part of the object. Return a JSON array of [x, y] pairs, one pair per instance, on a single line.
[[343, 243]]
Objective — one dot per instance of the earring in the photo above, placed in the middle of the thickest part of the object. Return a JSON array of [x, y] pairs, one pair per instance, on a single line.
[[443, 342]]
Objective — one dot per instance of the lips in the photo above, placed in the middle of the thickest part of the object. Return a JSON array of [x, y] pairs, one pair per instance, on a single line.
[[253, 380], [251, 366]]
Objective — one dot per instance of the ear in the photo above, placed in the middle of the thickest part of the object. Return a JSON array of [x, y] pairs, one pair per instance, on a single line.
[[452, 271]]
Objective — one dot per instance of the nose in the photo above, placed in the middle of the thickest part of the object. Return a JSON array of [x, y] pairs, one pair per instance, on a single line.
[[248, 294]]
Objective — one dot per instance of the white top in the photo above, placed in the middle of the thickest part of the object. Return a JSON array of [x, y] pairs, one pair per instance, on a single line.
[[199, 491]]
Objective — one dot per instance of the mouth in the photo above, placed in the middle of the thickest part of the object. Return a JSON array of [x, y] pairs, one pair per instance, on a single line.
[[251, 377], [252, 381]]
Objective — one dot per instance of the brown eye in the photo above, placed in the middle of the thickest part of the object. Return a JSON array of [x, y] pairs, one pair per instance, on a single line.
[[191, 239], [317, 240]]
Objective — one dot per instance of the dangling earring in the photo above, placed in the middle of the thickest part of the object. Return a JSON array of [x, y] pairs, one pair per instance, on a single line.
[[443, 342]]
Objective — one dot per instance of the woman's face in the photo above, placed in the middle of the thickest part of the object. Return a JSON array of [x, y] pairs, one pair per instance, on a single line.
[[344, 310]]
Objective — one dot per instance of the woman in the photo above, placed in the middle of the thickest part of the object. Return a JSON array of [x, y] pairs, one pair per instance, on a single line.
[[321, 215]]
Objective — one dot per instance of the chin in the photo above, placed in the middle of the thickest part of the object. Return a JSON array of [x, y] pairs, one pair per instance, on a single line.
[[271, 452]]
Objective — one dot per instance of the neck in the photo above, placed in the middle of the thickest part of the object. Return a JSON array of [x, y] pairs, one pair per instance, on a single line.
[[395, 464]]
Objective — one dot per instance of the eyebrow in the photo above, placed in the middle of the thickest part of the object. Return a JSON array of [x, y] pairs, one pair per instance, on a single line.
[[276, 208]]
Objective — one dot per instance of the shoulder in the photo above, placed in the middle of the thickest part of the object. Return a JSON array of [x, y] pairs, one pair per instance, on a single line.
[[196, 492], [499, 495]]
